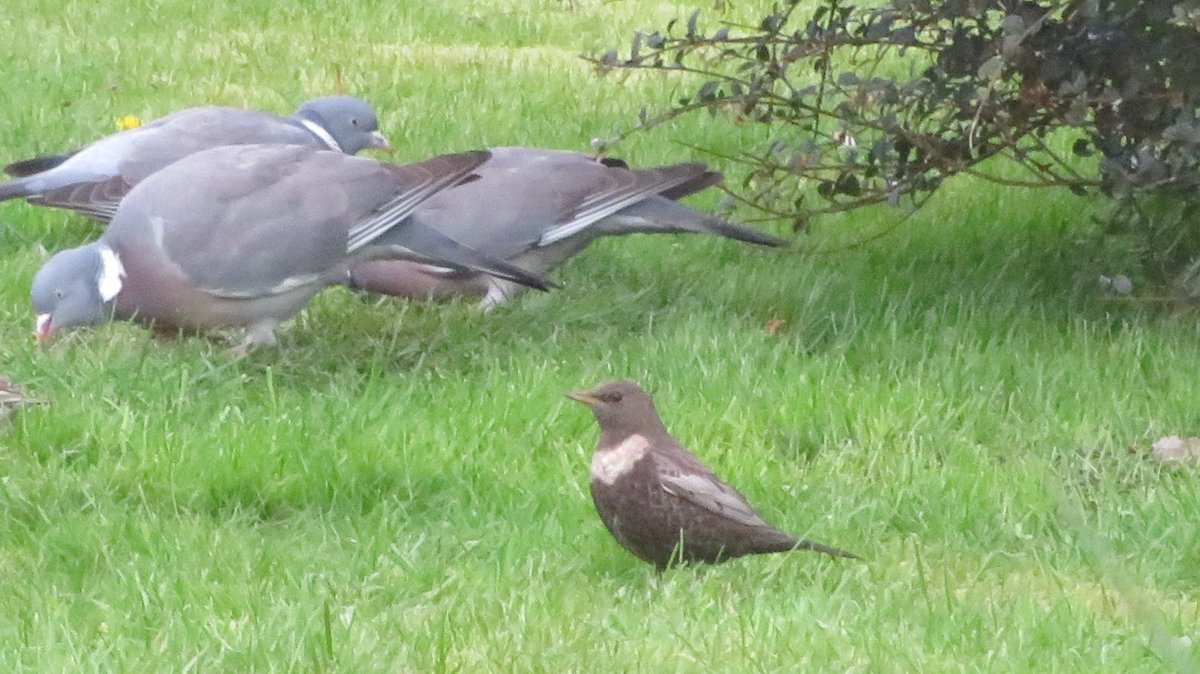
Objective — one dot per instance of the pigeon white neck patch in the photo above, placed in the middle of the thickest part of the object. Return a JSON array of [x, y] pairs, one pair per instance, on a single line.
[[611, 464], [108, 282], [320, 132]]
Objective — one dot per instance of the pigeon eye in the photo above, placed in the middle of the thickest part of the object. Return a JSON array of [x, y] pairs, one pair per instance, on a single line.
[[354, 121], [59, 294]]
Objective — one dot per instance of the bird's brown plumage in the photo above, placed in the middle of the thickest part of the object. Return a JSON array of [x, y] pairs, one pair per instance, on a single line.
[[658, 500]]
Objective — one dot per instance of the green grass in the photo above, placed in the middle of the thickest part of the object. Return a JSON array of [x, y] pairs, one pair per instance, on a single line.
[[403, 488]]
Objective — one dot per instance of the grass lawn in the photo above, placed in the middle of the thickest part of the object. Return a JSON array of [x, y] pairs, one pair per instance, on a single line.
[[403, 488]]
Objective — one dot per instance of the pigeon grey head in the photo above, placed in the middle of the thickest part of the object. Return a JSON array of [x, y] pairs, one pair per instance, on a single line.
[[349, 122], [73, 288], [622, 408]]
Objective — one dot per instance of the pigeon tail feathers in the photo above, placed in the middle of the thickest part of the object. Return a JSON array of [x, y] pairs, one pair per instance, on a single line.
[[731, 231], [28, 167], [13, 189]]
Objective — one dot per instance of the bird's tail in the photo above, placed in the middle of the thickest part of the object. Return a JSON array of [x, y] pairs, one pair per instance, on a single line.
[[661, 215], [13, 189], [28, 167], [657, 214], [741, 233], [825, 549]]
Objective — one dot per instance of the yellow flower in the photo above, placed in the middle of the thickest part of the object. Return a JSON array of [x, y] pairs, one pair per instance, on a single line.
[[126, 122]]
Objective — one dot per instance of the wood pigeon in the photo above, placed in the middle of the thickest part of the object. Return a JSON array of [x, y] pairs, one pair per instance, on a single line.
[[536, 208], [83, 181], [244, 235]]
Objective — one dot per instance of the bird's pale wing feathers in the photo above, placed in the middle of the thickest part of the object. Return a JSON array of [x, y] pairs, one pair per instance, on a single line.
[[418, 182], [627, 187], [96, 200], [705, 490]]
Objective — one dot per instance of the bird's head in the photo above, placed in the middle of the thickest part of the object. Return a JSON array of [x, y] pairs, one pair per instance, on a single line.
[[621, 408], [349, 121], [74, 288]]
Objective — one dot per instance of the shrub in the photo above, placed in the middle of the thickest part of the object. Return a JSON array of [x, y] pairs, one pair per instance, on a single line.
[[870, 105]]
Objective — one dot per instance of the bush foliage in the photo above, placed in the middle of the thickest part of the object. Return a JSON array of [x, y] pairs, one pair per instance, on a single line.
[[883, 104]]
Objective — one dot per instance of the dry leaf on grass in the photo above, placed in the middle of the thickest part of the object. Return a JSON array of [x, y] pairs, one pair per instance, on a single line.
[[774, 325]]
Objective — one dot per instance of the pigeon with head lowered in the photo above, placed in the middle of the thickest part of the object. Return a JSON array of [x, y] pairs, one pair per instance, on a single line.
[[244, 235], [93, 180], [658, 500], [537, 208]]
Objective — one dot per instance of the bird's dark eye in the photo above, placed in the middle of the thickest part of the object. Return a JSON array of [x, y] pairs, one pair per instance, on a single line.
[[354, 121], [59, 294], [612, 397]]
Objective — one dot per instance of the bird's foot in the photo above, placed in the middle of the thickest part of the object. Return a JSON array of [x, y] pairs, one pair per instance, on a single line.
[[262, 334]]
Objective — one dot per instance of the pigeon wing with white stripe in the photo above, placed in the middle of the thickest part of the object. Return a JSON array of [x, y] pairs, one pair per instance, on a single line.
[[255, 226]]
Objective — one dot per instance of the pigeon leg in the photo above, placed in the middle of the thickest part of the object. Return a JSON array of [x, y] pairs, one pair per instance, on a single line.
[[259, 334]]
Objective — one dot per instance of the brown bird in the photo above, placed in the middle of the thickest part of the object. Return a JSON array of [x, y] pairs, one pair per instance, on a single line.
[[13, 398], [660, 502]]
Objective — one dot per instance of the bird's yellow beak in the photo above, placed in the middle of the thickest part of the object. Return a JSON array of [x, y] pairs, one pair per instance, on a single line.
[[584, 397]]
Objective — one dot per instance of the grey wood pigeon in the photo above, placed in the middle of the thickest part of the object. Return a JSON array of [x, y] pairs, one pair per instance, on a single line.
[[658, 500], [82, 181], [537, 207], [243, 236]]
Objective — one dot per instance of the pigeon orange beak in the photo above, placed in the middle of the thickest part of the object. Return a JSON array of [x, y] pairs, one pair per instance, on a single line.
[[42, 329], [584, 397]]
